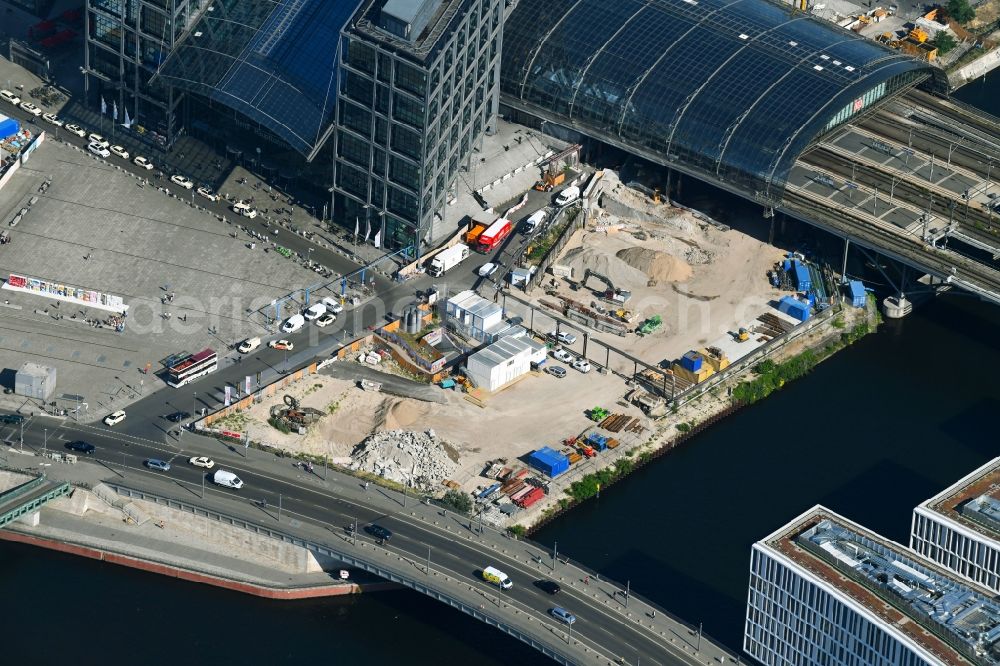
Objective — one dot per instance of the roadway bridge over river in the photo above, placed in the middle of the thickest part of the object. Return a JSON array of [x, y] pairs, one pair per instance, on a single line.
[[27, 498]]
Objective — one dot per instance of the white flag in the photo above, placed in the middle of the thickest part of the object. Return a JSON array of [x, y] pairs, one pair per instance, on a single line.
[[356, 223], [128, 121], [378, 237], [368, 229], [104, 106], [114, 110]]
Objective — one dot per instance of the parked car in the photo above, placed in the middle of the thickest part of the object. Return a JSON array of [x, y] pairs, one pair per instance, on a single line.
[[114, 418], [30, 108], [208, 194], [119, 151], [548, 586], [202, 461], [582, 364], [142, 163], [52, 119], [487, 270], [379, 532], [76, 129], [281, 344], [563, 615], [177, 417], [81, 447], [563, 337], [10, 97], [556, 371], [563, 355], [293, 323], [326, 320], [333, 305], [98, 150], [98, 139], [157, 464], [13, 419], [183, 181]]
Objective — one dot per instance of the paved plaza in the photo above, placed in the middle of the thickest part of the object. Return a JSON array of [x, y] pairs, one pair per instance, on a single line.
[[99, 228]]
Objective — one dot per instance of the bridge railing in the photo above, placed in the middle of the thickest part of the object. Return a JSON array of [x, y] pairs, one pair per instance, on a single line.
[[22, 489], [550, 648]]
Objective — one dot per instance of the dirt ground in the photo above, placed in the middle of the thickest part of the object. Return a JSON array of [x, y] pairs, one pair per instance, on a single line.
[[703, 281], [513, 422]]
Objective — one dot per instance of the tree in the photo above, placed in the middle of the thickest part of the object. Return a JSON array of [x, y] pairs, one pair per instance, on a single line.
[[944, 42], [457, 500], [961, 11]]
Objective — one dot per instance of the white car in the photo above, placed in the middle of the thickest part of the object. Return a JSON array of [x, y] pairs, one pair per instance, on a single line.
[[487, 270], [98, 139], [333, 305], [183, 181], [563, 355], [208, 194], [326, 320], [10, 97], [281, 344], [582, 364], [52, 119], [98, 150], [142, 163], [30, 108], [114, 418], [76, 129], [202, 461], [245, 209], [119, 151], [565, 338]]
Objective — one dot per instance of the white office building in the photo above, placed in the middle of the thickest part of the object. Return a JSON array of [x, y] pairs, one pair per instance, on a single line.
[[959, 528], [474, 317], [504, 361], [824, 590]]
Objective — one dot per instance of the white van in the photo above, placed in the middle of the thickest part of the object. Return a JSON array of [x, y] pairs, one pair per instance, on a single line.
[[532, 222], [568, 196], [228, 479], [333, 305], [293, 323], [497, 577], [248, 345], [314, 311], [245, 209]]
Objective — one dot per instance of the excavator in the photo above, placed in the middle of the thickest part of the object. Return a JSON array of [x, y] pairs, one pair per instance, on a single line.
[[612, 295]]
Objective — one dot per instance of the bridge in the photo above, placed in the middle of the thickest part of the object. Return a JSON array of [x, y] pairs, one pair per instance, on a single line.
[[28, 498]]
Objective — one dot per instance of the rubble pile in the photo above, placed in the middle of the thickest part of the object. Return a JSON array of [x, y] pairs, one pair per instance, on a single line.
[[417, 459]]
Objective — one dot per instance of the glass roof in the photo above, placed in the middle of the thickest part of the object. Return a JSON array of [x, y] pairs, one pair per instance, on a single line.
[[734, 89], [274, 62]]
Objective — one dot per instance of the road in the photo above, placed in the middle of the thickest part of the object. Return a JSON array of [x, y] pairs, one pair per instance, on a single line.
[[281, 495]]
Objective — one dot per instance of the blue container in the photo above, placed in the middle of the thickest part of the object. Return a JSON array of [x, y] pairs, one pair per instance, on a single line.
[[8, 127], [856, 292], [598, 441], [548, 461], [811, 298], [794, 308], [802, 280], [786, 265], [691, 361]]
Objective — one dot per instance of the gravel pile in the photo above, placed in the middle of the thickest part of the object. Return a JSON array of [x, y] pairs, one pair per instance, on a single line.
[[418, 459]]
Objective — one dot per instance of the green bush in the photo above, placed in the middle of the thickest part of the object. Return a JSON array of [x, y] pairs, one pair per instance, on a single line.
[[458, 501], [944, 42], [961, 11], [279, 425], [517, 531]]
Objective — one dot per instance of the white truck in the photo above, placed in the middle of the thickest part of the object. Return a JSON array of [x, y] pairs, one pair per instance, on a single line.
[[448, 259]]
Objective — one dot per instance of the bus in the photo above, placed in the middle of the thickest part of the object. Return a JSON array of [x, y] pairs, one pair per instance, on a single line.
[[192, 366]]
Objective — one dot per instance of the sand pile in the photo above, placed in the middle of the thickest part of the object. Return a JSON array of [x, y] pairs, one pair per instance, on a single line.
[[400, 414], [619, 272], [658, 266]]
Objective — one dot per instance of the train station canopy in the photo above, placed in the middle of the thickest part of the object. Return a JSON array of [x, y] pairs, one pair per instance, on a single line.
[[730, 90], [274, 62]]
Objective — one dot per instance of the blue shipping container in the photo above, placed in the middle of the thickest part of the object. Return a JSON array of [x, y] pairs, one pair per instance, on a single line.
[[8, 127], [794, 308], [856, 292], [802, 280], [691, 361], [548, 461]]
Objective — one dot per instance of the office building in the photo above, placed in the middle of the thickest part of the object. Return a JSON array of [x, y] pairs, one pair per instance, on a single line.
[[959, 528], [418, 90], [126, 41], [824, 590]]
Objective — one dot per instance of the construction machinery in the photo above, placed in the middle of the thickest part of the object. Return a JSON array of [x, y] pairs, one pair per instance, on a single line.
[[650, 404], [650, 325], [598, 414], [741, 335], [294, 416], [610, 294], [550, 180]]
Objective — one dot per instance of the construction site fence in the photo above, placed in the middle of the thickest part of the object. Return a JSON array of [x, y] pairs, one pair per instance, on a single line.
[[550, 257]]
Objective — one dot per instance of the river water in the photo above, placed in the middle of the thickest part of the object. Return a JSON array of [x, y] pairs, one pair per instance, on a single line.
[[870, 434]]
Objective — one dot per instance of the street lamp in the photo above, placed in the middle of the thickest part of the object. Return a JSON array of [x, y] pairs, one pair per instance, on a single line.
[[194, 404], [45, 442]]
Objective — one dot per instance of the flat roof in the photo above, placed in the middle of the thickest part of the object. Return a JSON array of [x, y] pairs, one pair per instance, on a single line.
[[934, 608], [505, 349], [973, 501]]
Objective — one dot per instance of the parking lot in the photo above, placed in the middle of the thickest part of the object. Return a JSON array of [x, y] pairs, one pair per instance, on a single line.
[[99, 228]]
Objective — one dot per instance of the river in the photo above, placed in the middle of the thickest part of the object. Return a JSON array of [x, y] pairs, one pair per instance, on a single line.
[[870, 434]]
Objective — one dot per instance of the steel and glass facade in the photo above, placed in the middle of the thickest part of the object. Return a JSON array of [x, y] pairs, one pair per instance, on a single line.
[[410, 111], [126, 41], [730, 90]]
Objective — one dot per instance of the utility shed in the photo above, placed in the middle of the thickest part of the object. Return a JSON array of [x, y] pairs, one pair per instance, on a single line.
[[407, 18], [8, 127], [475, 317], [856, 292], [35, 381], [503, 361], [548, 461]]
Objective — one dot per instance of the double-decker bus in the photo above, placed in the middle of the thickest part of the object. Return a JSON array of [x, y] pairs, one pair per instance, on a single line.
[[191, 367]]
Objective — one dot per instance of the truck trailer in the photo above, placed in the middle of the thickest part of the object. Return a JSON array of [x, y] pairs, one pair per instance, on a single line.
[[494, 235], [448, 259]]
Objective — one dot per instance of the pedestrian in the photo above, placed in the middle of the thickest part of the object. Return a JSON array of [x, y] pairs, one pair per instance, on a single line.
[[586, 580], [366, 486]]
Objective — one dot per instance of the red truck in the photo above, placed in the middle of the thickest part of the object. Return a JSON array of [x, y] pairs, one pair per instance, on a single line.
[[494, 235]]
